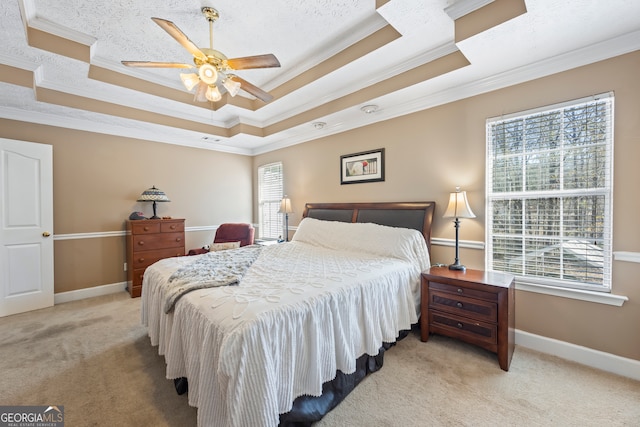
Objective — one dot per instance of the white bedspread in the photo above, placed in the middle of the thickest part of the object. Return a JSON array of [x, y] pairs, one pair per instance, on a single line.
[[303, 310]]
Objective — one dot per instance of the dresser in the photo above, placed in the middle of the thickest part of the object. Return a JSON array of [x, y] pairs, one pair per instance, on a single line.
[[148, 241], [474, 306]]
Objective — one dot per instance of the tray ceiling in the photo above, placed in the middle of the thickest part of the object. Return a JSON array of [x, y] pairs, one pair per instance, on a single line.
[[60, 61]]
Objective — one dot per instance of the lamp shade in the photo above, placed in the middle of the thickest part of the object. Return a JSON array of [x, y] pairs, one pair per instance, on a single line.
[[285, 206], [232, 86], [190, 80], [153, 194], [213, 94], [458, 206]]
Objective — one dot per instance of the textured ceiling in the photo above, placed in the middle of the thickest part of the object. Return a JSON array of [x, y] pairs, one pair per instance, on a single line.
[[60, 61]]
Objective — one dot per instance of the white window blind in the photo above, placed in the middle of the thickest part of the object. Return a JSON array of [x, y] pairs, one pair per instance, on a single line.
[[270, 192], [549, 190]]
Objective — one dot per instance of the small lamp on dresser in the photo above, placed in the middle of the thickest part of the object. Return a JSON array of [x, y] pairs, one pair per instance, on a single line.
[[458, 208], [154, 195]]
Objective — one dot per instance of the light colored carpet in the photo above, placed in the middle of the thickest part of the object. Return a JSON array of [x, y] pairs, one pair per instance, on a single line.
[[94, 357]]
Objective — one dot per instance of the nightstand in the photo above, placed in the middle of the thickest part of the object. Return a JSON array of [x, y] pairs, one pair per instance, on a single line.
[[473, 306]]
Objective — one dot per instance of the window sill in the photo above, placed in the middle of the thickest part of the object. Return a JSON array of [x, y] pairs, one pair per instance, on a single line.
[[591, 296]]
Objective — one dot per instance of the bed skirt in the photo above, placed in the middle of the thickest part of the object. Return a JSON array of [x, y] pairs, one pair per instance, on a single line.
[[308, 409]]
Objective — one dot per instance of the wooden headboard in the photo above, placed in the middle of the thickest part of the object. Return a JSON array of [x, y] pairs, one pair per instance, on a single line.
[[415, 215]]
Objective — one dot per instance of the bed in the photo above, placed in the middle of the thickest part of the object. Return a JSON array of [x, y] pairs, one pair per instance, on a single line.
[[279, 334]]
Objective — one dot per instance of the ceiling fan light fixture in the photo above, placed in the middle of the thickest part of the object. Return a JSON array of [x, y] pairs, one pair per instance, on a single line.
[[190, 80], [213, 94], [232, 86], [201, 91], [208, 74]]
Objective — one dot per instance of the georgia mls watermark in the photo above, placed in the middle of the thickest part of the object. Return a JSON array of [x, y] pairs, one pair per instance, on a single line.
[[31, 416]]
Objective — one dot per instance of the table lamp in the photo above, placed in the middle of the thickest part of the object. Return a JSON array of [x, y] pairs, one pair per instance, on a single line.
[[154, 195], [458, 208], [286, 209]]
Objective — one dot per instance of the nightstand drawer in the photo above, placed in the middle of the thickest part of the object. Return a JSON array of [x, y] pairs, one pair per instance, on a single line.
[[464, 291], [460, 326], [463, 306], [156, 241]]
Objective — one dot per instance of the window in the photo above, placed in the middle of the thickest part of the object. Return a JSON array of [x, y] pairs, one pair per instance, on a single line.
[[270, 191], [549, 194]]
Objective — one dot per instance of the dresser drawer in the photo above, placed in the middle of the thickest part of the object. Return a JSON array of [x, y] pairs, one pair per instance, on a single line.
[[143, 227], [171, 227], [461, 327], [138, 275], [463, 306], [156, 241], [144, 259], [464, 291]]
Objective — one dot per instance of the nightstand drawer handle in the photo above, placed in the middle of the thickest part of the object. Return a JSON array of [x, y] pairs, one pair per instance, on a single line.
[[459, 325], [459, 304], [140, 259], [460, 290]]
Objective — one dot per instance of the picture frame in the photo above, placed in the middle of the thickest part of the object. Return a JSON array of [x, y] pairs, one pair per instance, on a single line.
[[366, 166]]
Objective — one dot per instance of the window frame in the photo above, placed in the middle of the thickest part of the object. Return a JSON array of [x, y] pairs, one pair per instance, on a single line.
[[271, 202], [607, 192]]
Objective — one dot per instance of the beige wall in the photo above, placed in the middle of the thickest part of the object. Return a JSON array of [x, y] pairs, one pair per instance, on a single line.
[[97, 179], [430, 152]]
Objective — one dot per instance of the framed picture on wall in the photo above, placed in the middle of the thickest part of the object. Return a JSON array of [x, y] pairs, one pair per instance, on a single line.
[[367, 166]]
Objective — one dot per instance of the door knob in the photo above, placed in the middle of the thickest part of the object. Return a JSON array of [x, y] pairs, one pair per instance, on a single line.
[[46, 234]]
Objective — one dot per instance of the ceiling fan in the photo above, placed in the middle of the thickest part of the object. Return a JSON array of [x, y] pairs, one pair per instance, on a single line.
[[213, 67]]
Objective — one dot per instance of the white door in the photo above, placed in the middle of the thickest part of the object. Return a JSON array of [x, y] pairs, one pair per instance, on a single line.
[[26, 226]]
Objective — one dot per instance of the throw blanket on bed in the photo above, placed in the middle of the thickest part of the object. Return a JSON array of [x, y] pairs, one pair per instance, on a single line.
[[213, 269]]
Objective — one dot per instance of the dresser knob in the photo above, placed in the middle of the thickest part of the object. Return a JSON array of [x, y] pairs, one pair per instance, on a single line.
[[460, 290], [459, 304], [459, 325], [140, 259], [141, 243], [173, 227], [146, 229], [178, 239]]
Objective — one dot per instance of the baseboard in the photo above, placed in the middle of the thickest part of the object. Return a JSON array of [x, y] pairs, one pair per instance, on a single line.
[[608, 362], [96, 291]]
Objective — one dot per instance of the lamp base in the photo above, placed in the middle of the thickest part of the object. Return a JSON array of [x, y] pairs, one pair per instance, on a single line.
[[457, 267]]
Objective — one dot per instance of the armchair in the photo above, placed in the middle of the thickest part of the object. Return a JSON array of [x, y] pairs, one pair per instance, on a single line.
[[230, 232]]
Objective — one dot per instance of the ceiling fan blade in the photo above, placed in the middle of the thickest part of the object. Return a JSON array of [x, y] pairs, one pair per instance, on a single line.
[[181, 38], [259, 61], [151, 64], [253, 90]]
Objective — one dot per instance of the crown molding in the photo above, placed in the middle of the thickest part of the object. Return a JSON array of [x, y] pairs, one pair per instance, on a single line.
[[31, 19], [18, 62], [351, 87], [330, 49], [86, 125], [464, 7]]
